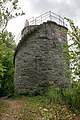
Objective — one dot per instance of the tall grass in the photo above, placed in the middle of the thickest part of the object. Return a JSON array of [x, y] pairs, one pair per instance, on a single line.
[[69, 96]]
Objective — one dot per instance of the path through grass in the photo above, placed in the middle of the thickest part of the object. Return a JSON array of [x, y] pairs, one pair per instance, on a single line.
[[34, 108]]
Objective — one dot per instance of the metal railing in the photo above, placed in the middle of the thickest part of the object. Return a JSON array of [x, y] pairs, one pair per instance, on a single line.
[[48, 16]]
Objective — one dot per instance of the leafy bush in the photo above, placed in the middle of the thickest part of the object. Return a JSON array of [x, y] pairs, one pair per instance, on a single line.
[[54, 95], [71, 96]]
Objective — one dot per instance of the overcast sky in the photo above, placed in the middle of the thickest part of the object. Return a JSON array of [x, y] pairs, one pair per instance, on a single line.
[[65, 8]]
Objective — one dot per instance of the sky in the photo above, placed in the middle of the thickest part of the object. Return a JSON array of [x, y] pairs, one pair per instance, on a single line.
[[34, 8]]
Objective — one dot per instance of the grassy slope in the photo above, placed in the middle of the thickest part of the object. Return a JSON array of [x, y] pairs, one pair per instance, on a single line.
[[3, 106], [34, 108]]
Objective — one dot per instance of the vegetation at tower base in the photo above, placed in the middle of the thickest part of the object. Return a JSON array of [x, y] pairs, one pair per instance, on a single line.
[[69, 96], [55, 104], [6, 47]]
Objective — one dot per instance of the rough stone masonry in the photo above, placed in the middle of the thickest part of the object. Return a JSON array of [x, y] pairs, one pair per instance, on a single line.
[[40, 59]]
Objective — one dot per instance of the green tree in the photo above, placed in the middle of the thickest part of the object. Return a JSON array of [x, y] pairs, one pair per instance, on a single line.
[[7, 45], [8, 13], [6, 62], [74, 49]]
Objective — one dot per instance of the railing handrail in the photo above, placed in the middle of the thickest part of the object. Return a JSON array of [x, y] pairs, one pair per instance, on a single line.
[[47, 16]]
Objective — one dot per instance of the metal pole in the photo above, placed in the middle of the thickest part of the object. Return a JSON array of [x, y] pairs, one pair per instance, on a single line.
[[63, 23], [41, 18], [50, 15], [35, 21], [59, 19]]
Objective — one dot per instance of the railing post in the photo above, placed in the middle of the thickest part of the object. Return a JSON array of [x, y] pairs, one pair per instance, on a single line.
[[41, 18], [59, 19], [50, 15], [63, 23], [35, 21]]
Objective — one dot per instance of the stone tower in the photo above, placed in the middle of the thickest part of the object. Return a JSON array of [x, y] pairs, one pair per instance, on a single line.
[[39, 58]]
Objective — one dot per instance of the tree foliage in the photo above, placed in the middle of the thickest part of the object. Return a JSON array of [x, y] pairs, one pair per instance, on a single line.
[[7, 45], [74, 49], [8, 13], [6, 63]]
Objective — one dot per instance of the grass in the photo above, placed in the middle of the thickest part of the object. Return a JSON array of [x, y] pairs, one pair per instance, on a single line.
[[44, 108], [54, 105], [40, 108], [36, 108], [3, 107]]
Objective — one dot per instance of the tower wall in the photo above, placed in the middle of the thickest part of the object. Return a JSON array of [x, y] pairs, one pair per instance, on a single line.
[[40, 57]]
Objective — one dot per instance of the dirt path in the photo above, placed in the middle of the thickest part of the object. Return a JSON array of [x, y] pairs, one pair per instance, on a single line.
[[15, 110], [12, 111]]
